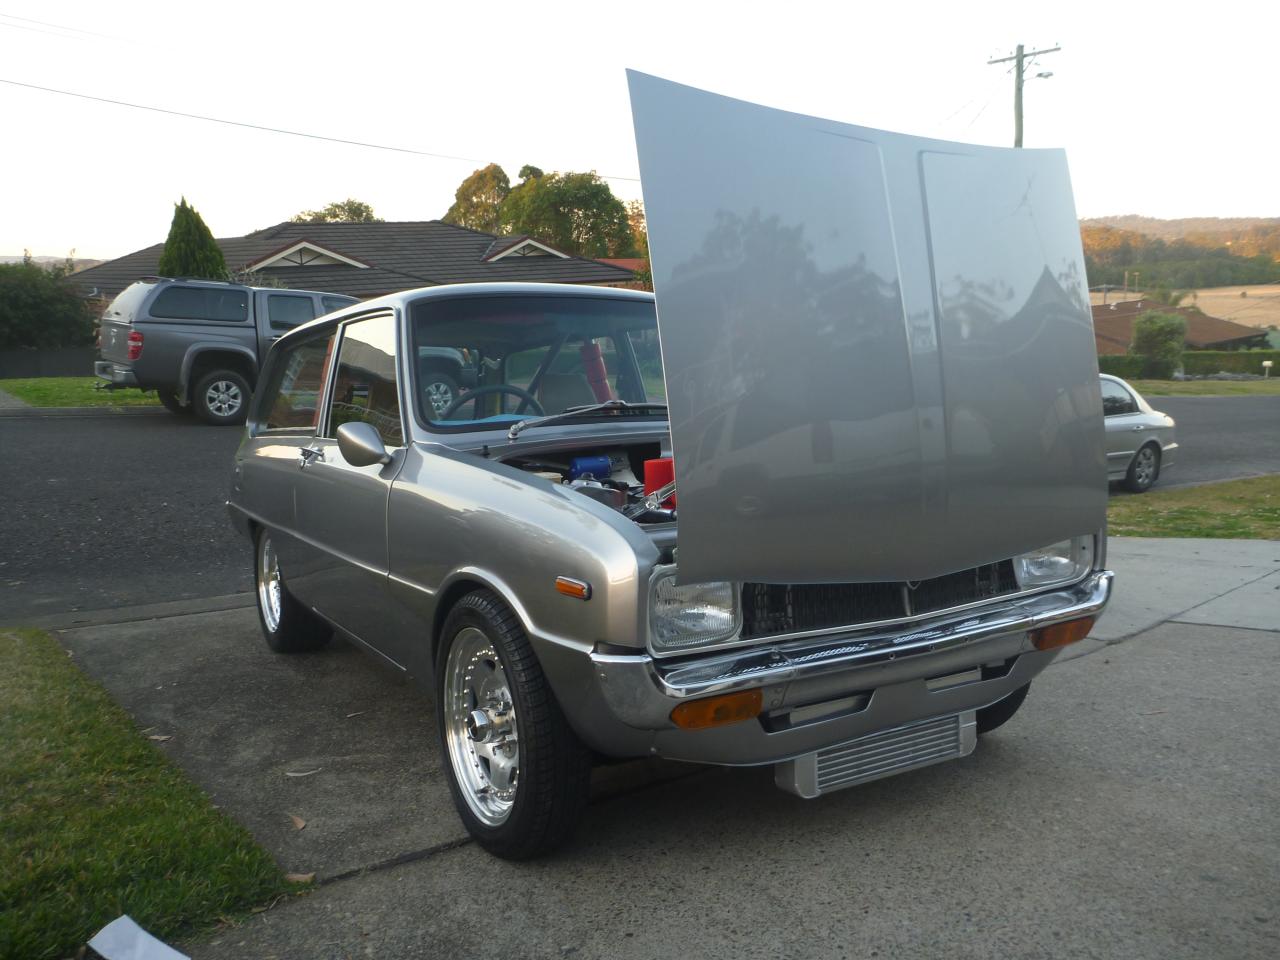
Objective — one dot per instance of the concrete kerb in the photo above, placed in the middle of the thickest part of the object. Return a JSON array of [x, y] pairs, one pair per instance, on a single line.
[[29, 412]]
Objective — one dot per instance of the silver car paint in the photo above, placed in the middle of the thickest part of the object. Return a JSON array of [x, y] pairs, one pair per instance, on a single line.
[[1127, 432], [878, 348]]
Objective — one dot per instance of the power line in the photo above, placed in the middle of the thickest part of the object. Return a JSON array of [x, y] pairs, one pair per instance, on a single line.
[[256, 126], [56, 26]]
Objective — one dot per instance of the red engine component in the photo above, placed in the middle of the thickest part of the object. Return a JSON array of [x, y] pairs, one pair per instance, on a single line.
[[657, 474]]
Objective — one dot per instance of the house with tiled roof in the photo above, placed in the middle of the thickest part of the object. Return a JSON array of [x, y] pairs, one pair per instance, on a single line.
[[1113, 328], [371, 259]]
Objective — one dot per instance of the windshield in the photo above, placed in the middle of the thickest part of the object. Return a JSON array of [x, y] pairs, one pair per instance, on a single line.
[[487, 362]]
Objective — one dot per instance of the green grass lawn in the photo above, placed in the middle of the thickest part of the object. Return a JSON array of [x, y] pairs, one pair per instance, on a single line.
[[1237, 509], [1208, 388], [95, 822], [74, 392]]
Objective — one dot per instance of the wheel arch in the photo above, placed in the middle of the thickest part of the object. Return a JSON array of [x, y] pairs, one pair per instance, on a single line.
[[457, 586], [201, 358]]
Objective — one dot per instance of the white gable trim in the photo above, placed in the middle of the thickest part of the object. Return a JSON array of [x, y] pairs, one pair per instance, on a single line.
[[304, 253], [521, 249]]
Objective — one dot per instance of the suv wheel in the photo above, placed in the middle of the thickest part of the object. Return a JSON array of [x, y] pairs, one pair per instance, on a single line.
[[221, 397], [439, 390], [169, 400], [518, 774], [287, 625]]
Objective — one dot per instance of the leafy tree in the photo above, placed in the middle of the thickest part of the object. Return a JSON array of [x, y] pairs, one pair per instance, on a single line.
[[190, 250], [1160, 339], [349, 210], [40, 309], [1166, 297], [574, 212], [478, 198]]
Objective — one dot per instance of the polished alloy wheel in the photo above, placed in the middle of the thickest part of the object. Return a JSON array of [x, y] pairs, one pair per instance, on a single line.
[[224, 398], [1144, 467], [480, 727], [441, 396], [268, 584]]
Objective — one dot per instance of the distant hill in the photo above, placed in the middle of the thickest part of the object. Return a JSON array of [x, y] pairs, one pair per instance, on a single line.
[[1244, 236], [79, 263]]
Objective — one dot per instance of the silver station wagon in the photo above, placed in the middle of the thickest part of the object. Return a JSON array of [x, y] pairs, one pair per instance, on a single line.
[[873, 511]]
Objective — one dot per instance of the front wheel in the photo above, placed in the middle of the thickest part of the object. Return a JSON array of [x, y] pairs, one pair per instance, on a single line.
[[518, 774], [221, 397], [287, 626]]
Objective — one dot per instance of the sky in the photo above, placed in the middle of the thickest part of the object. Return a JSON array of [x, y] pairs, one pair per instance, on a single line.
[[1165, 109]]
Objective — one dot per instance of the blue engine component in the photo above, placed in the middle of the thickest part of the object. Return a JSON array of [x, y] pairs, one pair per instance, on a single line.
[[598, 468]]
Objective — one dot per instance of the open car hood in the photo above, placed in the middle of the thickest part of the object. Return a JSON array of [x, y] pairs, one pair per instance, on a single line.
[[878, 348]]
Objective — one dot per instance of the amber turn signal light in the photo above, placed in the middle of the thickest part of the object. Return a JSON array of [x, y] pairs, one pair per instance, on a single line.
[[718, 711], [1061, 634], [578, 589]]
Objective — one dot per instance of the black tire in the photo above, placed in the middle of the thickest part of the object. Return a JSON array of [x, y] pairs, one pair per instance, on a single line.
[[169, 400], [221, 397], [439, 390], [554, 767], [292, 628], [1144, 469], [999, 713]]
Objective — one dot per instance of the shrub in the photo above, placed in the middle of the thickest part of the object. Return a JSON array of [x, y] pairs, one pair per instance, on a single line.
[[39, 309], [1126, 367], [1208, 362], [1159, 338]]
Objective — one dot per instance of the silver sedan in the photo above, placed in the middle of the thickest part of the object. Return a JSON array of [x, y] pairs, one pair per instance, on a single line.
[[1140, 440]]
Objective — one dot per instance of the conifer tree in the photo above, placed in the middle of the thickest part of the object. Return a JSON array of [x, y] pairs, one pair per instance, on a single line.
[[190, 250]]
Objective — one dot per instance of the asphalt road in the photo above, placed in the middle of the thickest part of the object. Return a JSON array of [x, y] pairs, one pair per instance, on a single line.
[[109, 511], [1222, 438]]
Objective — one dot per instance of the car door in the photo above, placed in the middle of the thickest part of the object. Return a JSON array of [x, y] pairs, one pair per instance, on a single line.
[[278, 313], [285, 422], [341, 509], [1125, 426]]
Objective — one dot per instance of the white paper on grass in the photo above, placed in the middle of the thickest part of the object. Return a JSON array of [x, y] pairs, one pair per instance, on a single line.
[[123, 939]]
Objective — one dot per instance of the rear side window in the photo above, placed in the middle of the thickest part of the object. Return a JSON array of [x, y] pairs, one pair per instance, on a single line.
[[285, 311], [365, 385], [1116, 400], [293, 396], [228, 305], [335, 303]]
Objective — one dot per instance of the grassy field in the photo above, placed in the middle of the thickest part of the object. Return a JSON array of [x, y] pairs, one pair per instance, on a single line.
[[95, 822], [1208, 388], [1236, 509], [74, 392]]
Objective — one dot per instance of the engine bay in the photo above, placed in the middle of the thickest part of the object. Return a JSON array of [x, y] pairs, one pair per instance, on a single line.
[[637, 481]]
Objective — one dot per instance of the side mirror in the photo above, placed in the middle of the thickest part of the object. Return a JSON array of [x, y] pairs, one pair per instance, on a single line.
[[360, 445]]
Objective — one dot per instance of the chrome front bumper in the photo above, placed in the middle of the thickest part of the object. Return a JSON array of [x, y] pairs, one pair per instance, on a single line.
[[873, 680]]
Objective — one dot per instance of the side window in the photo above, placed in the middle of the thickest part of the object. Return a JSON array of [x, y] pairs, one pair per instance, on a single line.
[[285, 311], [292, 397], [228, 304], [365, 384], [331, 304], [1116, 400]]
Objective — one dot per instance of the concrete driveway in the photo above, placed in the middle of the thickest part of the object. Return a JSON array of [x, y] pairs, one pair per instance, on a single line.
[[1128, 811]]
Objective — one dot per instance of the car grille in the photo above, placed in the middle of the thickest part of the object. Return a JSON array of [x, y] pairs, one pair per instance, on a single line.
[[771, 608]]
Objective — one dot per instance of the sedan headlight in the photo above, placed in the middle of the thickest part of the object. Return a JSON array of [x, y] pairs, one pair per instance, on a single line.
[[691, 615], [1062, 562]]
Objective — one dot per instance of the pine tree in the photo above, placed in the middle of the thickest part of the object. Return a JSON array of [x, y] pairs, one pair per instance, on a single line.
[[190, 250]]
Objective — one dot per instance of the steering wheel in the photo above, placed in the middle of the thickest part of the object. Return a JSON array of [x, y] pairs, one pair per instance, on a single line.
[[524, 395]]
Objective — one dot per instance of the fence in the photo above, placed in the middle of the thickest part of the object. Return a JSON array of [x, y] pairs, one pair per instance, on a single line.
[[63, 362]]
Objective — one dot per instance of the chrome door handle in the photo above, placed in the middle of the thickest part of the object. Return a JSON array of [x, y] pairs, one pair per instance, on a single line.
[[1139, 427], [309, 455]]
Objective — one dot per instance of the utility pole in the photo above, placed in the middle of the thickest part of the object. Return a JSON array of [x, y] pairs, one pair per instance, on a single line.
[[1021, 57]]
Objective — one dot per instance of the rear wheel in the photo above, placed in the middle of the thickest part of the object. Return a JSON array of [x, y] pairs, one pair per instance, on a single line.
[[1144, 469], [999, 713], [221, 397], [287, 625], [439, 390], [518, 774], [169, 400]]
